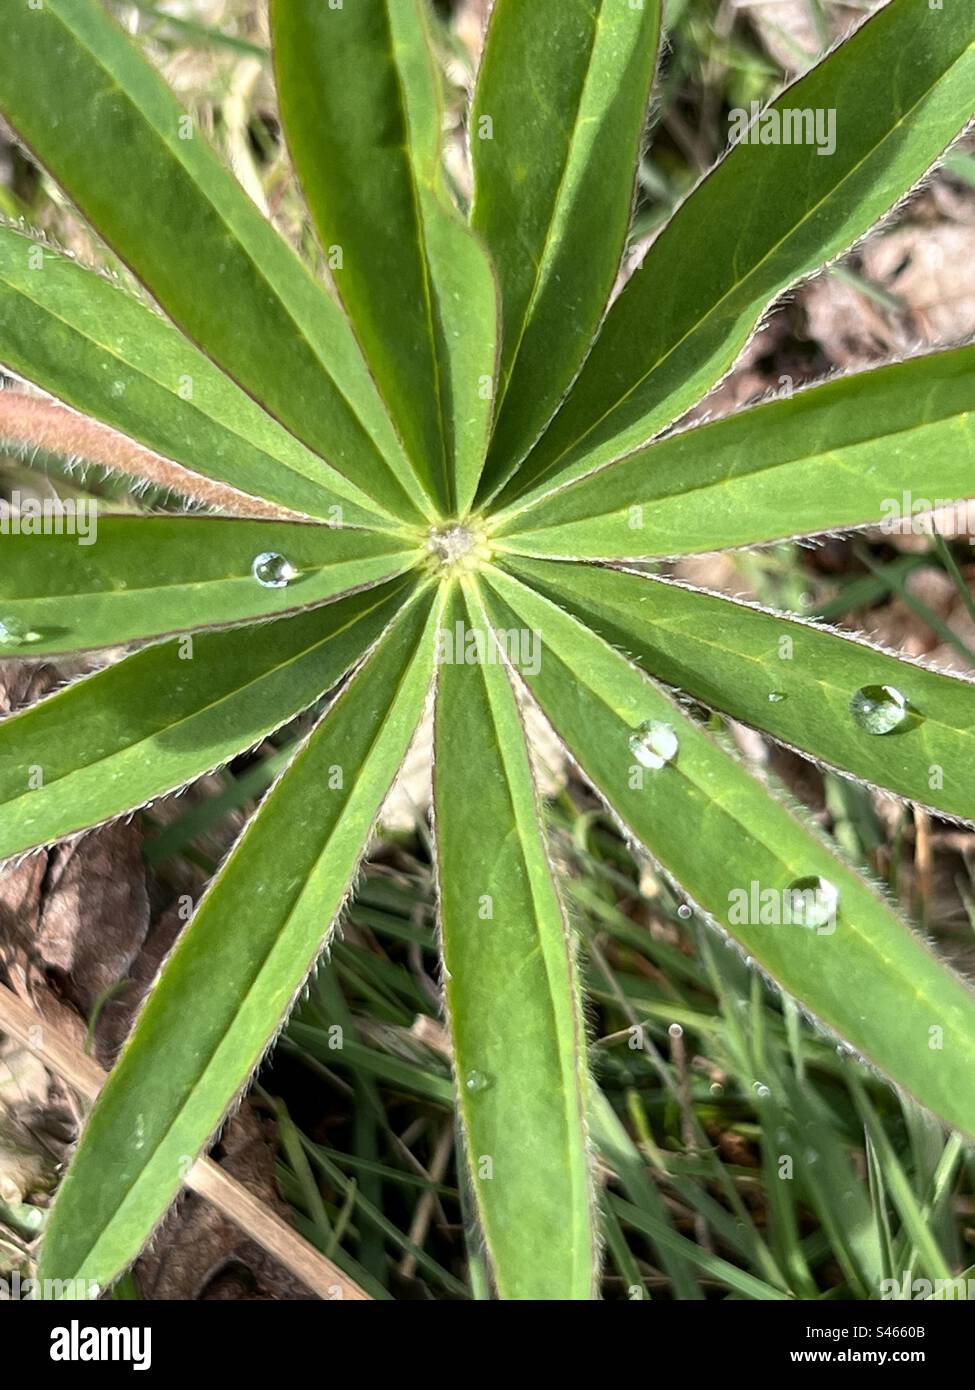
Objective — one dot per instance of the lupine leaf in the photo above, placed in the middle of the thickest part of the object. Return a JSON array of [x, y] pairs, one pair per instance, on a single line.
[[558, 114], [901, 89], [835, 456], [237, 968], [149, 576], [157, 720], [83, 339], [192, 235], [361, 105], [788, 678], [511, 987], [721, 834]]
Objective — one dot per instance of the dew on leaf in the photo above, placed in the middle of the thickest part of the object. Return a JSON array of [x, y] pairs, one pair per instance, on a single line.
[[14, 633], [775, 697], [273, 571], [654, 744], [476, 1081], [880, 709], [814, 901]]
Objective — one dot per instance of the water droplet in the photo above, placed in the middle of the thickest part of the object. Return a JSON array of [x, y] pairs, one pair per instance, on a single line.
[[140, 1131], [14, 633], [675, 1030], [761, 1090], [685, 913], [880, 709], [273, 571], [775, 697], [654, 744], [814, 901], [476, 1081]]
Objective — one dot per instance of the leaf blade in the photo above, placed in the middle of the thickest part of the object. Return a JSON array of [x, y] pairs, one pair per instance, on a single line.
[[744, 841], [574, 76], [519, 1043], [63, 593], [242, 295], [765, 217], [151, 723], [793, 680], [379, 195], [833, 457], [154, 1117], [84, 340]]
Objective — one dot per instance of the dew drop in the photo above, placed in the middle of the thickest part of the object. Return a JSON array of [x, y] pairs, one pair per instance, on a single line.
[[273, 571], [814, 901], [761, 1090], [685, 913], [14, 633], [654, 744], [475, 1082], [775, 697], [880, 709]]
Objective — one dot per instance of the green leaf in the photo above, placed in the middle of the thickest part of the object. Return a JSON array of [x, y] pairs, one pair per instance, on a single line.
[[511, 985], [84, 340], [193, 236], [720, 833], [901, 89], [148, 576], [361, 104], [156, 721], [833, 457], [558, 115], [789, 678], [237, 968]]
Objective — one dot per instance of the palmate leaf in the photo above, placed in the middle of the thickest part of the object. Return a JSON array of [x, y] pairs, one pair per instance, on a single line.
[[258, 931], [511, 987], [833, 457], [718, 831], [767, 215], [788, 678], [163, 717], [386, 414], [193, 236], [362, 110], [85, 341], [558, 114], [150, 576]]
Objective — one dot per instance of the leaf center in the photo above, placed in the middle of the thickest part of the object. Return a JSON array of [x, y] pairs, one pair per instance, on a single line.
[[458, 548]]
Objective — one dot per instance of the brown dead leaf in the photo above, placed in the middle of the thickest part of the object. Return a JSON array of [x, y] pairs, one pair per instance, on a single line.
[[200, 1255]]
